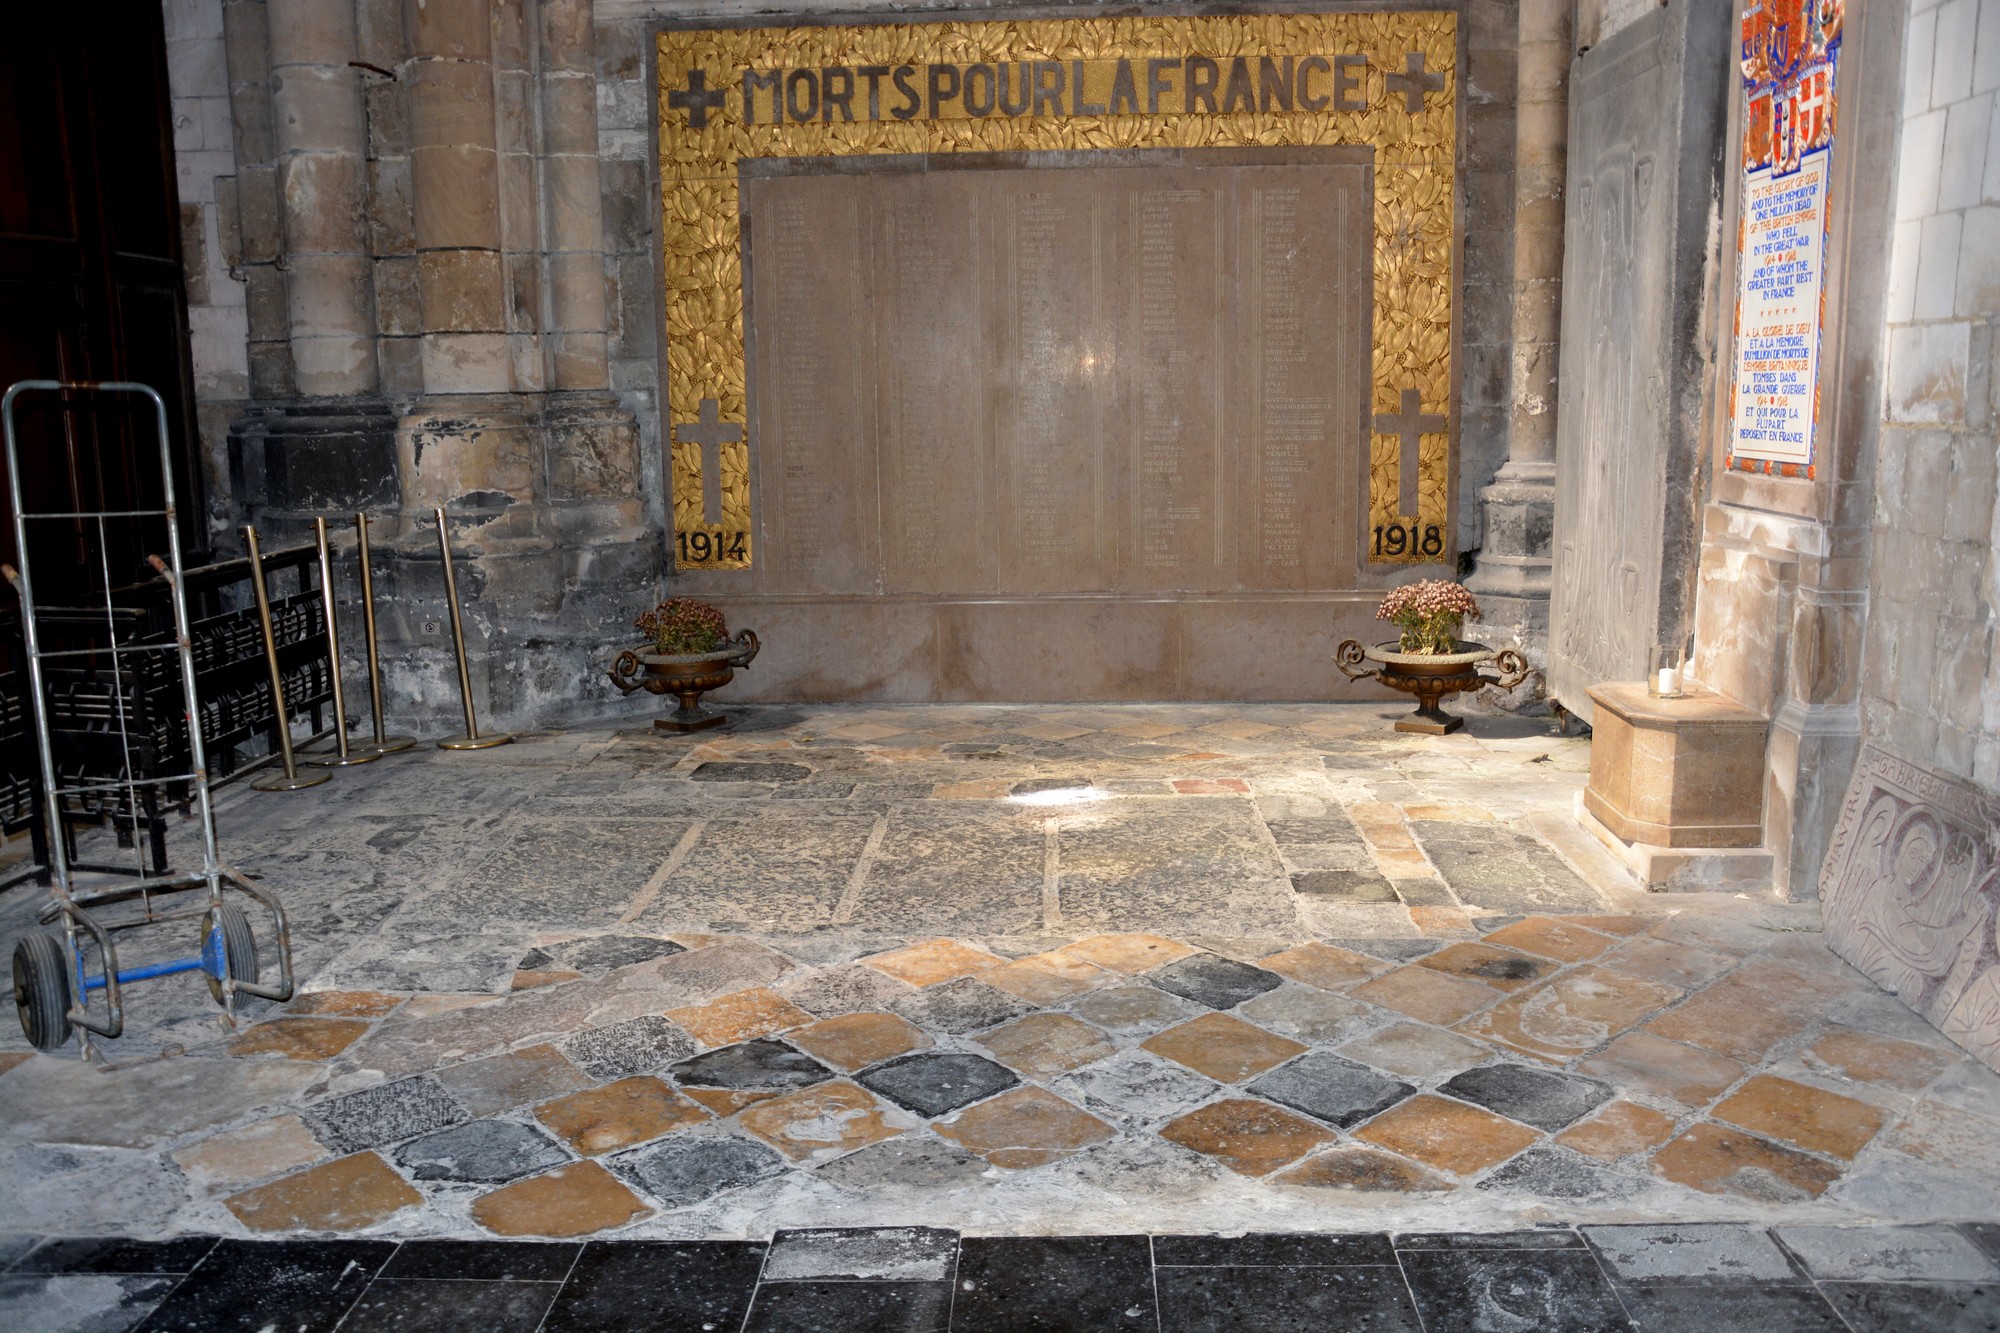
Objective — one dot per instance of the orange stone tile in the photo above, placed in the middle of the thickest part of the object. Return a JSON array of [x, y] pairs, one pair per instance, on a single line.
[[1619, 1130], [1130, 954], [618, 1115], [1867, 1058], [1210, 786], [1446, 922], [1450, 812], [530, 979], [743, 1016], [983, 789], [300, 1038], [1382, 825], [10, 1059], [1047, 978], [1364, 1171], [1448, 1135], [1203, 754], [1046, 1044], [515, 1078], [726, 1102], [933, 961], [1226, 1049], [1403, 863], [1571, 1014], [1028, 1126], [1502, 969], [1552, 938], [1803, 1116], [1948, 1136], [1426, 995], [855, 1041], [1731, 1018], [1645, 1063], [425, 1006], [1718, 1160], [1251, 1138], [240, 1156], [575, 1200], [1670, 961], [344, 1003], [1323, 965], [824, 1121], [346, 1194], [1612, 925]]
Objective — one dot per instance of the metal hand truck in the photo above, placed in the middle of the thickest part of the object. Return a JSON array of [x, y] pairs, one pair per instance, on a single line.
[[52, 981]]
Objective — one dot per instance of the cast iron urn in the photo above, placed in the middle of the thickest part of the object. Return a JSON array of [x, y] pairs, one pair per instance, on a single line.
[[687, 676], [1430, 676]]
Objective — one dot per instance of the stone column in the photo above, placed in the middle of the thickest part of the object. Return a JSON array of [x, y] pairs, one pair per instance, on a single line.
[[1513, 576], [254, 188]]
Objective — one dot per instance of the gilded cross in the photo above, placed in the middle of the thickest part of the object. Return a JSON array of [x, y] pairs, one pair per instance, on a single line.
[[697, 99], [1408, 426], [1414, 81], [711, 433]]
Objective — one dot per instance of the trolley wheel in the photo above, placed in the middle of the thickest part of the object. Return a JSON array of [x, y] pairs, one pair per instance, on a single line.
[[41, 991], [227, 948]]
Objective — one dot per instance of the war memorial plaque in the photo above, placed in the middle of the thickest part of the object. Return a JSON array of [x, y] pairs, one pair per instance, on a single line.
[[993, 375]]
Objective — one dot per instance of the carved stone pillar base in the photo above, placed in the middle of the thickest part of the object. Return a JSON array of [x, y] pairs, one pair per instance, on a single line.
[[1512, 580], [290, 461]]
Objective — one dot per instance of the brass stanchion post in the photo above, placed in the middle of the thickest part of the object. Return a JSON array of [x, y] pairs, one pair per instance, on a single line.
[[291, 779], [383, 743], [471, 740], [342, 754]]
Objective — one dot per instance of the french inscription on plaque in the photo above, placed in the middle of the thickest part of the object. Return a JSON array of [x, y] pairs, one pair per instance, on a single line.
[[1144, 375]]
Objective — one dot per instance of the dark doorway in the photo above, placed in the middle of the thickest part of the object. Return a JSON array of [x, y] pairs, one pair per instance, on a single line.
[[90, 279]]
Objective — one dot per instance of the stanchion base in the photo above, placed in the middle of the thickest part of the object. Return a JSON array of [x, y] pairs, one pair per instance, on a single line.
[[387, 745], [474, 742], [332, 759], [279, 782]]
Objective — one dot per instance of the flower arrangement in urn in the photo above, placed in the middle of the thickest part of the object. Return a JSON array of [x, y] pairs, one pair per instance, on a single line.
[[682, 625], [1430, 613]]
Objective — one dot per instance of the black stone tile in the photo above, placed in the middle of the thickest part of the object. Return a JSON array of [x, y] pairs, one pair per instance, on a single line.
[[484, 1260], [605, 953], [1273, 1249], [1556, 1173], [657, 1286], [1899, 1307], [1544, 1098], [1391, 950], [14, 1245], [1548, 1291], [1210, 979], [1024, 1284], [458, 1306], [300, 1286], [481, 1152], [637, 1046], [1348, 886], [80, 1302], [933, 1084], [862, 1254], [375, 1116], [111, 1254], [958, 1007], [1728, 1307], [1330, 1088], [689, 1168], [1986, 1235], [1286, 1300], [737, 770], [880, 1307], [1541, 1238], [763, 1063]]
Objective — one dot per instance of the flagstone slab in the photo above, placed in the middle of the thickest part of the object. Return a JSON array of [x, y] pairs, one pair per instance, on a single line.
[[1425, 994], [746, 1014], [959, 1007], [618, 1115], [1448, 1135], [1415, 1050], [851, 1042], [1027, 1127], [1225, 1049], [1323, 965], [934, 1083], [1130, 954], [485, 1152], [1666, 1069], [689, 1168], [1219, 983], [383, 1114], [577, 1200], [933, 961], [503, 1082], [1329, 1088], [1309, 1015], [764, 1063], [1044, 1044], [1572, 1014], [636, 1046], [1801, 1115], [346, 1194], [847, 989], [1719, 1160], [1251, 1138], [1621, 1129], [824, 1121]]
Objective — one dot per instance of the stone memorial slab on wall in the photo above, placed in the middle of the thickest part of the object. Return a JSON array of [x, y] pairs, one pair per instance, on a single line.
[[1911, 894]]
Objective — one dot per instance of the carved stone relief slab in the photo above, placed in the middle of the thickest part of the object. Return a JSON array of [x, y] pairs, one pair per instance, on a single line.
[[1911, 888]]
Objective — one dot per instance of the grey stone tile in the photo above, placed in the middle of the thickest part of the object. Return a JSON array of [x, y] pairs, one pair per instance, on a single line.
[[934, 1083], [1309, 1015], [597, 954], [1135, 1088], [1396, 949], [1416, 1051], [1734, 1308], [375, 1116], [1425, 893], [1219, 983], [1132, 1011], [1544, 1098], [917, 882], [1351, 886], [958, 1007], [752, 1065], [1174, 868], [484, 1151], [1329, 1088], [1898, 1307], [1935, 1253], [848, 989], [688, 1168], [80, 1302], [1556, 1173], [1691, 1252], [1986, 1235], [1506, 871], [871, 1254], [636, 1046], [909, 1161], [1035, 786], [1332, 826], [764, 874], [730, 770], [579, 871]]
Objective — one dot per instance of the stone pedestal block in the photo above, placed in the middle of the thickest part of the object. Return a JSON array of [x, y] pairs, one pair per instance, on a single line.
[[288, 462], [1676, 773]]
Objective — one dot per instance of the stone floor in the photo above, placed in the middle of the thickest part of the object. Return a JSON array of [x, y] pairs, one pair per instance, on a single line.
[[1033, 970]]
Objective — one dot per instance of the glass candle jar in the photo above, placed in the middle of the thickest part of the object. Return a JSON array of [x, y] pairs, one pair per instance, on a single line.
[[1665, 676]]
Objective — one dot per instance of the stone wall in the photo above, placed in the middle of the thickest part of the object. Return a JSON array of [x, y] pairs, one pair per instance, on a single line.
[[1930, 676]]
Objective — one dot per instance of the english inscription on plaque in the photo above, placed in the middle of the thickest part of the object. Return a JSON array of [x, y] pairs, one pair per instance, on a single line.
[[1085, 373]]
